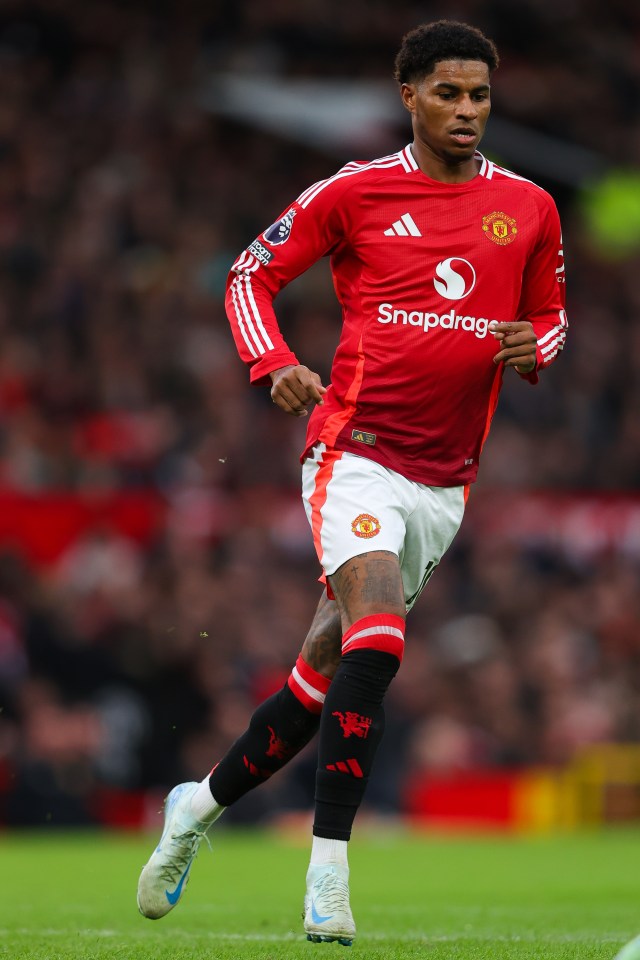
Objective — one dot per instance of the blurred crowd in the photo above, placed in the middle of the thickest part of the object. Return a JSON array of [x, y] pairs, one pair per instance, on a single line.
[[123, 201]]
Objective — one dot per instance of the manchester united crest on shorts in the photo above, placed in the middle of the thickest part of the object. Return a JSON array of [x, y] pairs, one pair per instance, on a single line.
[[365, 526], [499, 227]]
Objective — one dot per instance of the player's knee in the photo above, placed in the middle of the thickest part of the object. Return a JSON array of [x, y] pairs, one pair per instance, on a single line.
[[372, 649], [383, 632]]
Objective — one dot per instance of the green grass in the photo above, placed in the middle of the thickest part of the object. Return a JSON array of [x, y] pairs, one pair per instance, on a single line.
[[73, 896]]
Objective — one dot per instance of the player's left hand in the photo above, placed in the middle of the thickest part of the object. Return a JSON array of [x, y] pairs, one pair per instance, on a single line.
[[518, 344]]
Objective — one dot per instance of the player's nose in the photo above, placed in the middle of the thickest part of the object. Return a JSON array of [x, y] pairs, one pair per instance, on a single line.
[[467, 109]]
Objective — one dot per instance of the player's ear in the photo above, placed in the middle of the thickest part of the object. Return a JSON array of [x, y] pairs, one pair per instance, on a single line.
[[408, 93]]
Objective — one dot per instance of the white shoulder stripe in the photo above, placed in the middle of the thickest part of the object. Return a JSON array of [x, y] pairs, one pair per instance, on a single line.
[[310, 194], [353, 165], [309, 189], [510, 174]]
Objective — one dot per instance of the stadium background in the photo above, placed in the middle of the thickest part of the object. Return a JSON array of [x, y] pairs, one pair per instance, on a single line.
[[156, 571]]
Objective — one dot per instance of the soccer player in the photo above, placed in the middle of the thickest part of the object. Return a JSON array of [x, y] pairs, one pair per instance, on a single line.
[[449, 269]]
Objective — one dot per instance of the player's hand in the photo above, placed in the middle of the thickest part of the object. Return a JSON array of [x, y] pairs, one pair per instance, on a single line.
[[294, 388], [518, 344]]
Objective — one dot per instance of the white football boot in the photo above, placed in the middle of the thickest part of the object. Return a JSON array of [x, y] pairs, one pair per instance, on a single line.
[[327, 914], [165, 876]]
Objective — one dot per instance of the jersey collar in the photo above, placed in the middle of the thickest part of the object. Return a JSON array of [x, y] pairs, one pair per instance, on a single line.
[[410, 165]]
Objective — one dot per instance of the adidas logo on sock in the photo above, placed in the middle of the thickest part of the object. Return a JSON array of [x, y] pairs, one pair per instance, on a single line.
[[403, 227], [349, 766]]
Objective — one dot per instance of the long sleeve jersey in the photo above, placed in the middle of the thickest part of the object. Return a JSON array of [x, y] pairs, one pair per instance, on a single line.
[[420, 268]]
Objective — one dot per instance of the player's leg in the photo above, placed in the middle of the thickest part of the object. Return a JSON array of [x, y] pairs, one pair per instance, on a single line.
[[358, 512], [412, 525], [370, 595], [284, 723], [278, 730]]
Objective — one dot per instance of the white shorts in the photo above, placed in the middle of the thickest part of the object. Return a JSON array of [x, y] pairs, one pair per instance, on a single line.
[[355, 505]]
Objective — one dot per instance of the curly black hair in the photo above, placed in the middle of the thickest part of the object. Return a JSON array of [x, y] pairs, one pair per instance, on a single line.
[[429, 43]]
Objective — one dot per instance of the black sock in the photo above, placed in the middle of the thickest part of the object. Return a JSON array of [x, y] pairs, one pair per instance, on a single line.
[[350, 730], [279, 729]]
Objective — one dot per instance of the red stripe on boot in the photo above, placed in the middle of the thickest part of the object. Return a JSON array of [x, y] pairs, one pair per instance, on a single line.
[[383, 631]]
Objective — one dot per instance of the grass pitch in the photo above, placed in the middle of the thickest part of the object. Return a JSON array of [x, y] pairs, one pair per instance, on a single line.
[[73, 896]]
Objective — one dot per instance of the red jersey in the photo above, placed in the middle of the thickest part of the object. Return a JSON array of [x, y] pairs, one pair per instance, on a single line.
[[420, 268]]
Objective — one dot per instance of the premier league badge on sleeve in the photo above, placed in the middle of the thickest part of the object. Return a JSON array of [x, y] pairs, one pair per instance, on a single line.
[[280, 231]]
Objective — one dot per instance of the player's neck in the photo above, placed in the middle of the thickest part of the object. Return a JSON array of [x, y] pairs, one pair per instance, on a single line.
[[439, 168]]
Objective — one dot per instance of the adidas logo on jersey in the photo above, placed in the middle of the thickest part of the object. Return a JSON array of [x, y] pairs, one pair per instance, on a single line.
[[404, 227]]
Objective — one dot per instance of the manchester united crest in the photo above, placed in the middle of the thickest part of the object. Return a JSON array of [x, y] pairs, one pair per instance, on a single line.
[[499, 227], [365, 526]]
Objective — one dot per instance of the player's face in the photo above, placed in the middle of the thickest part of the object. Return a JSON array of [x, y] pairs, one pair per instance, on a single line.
[[450, 108]]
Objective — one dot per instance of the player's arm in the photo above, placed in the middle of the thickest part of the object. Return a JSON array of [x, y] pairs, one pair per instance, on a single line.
[[535, 338], [306, 231]]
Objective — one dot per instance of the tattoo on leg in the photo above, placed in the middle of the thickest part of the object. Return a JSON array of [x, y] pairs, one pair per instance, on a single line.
[[367, 583], [346, 587], [322, 647], [385, 591], [323, 654], [380, 584]]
